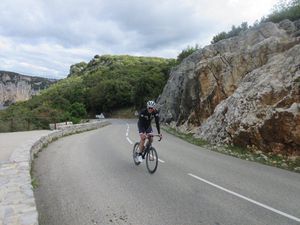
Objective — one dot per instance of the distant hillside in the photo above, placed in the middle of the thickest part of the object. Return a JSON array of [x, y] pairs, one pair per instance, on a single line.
[[114, 81], [105, 84], [16, 87]]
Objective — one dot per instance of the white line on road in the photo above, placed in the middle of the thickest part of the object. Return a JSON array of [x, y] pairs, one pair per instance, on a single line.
[[129, 140], [127, 132], [245, 198]]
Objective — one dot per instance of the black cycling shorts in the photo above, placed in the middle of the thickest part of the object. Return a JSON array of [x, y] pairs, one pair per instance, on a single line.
[[147, 131]]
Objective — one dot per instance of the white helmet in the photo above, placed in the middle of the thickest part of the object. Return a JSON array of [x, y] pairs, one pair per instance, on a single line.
[[150, 104]]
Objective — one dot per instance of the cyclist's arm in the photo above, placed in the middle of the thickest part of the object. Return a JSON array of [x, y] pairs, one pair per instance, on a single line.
[[156, 116], [141, 122]]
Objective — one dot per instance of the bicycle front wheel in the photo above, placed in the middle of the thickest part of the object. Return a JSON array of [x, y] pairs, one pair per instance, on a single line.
[[135, 153], [151, 160]]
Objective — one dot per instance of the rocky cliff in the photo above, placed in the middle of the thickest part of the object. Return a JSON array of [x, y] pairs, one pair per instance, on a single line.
[[16, 87], [244, 90]]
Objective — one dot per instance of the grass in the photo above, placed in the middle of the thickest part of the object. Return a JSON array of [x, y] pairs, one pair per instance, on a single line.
[[34, 181], [284, 162], [187, 137]]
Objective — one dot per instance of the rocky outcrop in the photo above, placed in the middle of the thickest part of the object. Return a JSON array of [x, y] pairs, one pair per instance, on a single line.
[[16, 87], [244, 90], [77, 69]]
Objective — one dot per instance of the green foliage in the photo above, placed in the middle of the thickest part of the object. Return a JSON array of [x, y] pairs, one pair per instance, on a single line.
[[77, 110], [186, 52], [189, 137], [127, 112], [112, 82], [105, 84], [65, 92], [147, 88], [284, 10], [233, 32], [110, 94], [219, 37]]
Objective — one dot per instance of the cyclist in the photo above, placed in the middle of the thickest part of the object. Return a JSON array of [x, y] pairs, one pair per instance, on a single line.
[[144, 125]]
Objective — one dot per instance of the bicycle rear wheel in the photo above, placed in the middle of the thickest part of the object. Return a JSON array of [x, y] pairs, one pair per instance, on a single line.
[[135, 154], [151, 160]]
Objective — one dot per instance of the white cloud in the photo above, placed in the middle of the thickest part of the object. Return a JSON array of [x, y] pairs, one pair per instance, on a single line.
[[43, 38]]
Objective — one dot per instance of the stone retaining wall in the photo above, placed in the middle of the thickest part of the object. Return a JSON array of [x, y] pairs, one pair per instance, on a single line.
[[17, 203]]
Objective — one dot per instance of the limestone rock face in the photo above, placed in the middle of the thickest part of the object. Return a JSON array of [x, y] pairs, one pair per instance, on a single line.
[[244, 90], [16, 87]]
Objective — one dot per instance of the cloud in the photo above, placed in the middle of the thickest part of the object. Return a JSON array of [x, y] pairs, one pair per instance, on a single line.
[[44, 38]]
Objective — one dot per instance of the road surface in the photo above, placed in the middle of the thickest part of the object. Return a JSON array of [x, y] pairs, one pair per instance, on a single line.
[[90, 178]]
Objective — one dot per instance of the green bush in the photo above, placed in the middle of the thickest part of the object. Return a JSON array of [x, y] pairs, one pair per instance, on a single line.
[[233, 32], [284, 10], [186, 52]]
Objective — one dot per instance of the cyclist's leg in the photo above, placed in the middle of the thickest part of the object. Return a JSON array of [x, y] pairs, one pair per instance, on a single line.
[[142, 132], [142, 141], [150, 139]]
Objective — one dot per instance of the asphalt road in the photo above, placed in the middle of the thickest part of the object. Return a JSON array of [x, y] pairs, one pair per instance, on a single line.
[[90, 178]]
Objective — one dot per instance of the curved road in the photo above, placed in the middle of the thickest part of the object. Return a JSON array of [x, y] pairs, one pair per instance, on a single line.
[[90, 178]]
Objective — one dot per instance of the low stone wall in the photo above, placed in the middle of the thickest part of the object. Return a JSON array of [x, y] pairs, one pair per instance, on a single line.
[[17, 203], [58, 126]]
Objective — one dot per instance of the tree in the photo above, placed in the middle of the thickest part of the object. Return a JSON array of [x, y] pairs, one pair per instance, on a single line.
[[77, 110], [218, 37], [110, 94], [235, 31], [284, 10], [146, 88], [186, 52]]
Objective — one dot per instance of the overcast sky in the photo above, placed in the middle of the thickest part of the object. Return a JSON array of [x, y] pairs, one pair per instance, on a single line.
[[45, 37]]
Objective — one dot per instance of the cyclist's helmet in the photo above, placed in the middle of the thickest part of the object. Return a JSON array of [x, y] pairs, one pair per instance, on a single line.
[[150, 104]]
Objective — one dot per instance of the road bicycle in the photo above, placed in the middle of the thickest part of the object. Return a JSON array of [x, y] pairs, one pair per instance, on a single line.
[[149, 154]]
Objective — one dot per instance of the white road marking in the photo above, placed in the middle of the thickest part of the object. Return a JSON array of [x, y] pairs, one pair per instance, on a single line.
[[129, 140], [245, 198], [127, 132], [161, 161]]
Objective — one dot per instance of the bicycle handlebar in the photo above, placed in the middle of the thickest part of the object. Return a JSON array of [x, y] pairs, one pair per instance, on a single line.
[[154, 135]]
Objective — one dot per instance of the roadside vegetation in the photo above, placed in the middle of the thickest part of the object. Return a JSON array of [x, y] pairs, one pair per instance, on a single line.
[[186, 52], [104, 85], [282, 10], [280, 161], [124, 113]]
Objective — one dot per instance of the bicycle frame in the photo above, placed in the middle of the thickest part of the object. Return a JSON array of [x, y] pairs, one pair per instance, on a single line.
[[149, 144], [149, 153]]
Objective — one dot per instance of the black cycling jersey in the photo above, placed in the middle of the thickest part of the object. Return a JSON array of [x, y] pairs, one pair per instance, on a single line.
[[145, 118]]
